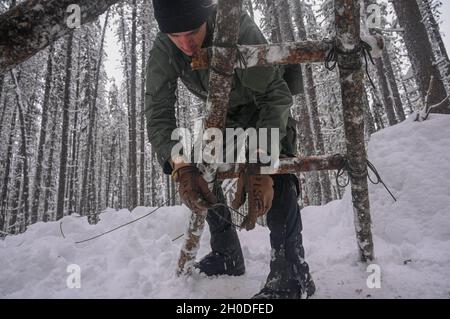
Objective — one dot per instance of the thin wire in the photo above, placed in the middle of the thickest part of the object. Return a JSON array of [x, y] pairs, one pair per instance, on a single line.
[[126, 224]]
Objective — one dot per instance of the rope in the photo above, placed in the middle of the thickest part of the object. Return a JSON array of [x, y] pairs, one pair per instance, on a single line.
[[352, 173], [331, 60], [123, 225]]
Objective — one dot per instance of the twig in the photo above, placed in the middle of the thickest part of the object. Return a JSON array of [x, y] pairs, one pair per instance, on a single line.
[[444, 101]]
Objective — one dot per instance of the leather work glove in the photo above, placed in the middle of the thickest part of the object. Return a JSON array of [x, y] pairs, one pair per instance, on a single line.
[[260, 196], [194, 191]]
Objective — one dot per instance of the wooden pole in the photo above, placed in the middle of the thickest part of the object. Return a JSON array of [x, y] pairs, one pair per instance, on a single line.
[[220, 81], [351, 75]]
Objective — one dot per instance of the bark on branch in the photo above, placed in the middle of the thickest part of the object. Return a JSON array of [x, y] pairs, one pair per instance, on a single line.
[[290, 165], [280, 53], [220, 82], [34, 24]]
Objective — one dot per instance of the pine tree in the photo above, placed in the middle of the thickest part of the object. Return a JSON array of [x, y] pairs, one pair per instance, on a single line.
[[65, 130], [421, 53]]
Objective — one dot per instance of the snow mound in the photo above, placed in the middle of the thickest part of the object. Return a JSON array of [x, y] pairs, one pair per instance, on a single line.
[[411, 239]]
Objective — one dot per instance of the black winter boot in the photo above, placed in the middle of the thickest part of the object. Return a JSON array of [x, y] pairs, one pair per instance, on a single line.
[[289, 276], [226, 256]]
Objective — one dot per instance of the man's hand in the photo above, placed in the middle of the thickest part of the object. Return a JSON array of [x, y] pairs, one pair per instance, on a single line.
[[194, 191], [260, 196]]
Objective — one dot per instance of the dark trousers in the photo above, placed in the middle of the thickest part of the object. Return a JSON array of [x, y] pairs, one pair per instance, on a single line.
[[288, 268]]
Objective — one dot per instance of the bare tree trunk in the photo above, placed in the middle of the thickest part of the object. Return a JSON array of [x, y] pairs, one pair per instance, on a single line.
[[34, 24], [436, 34], [112, 160], [324, 177], [128, 94], [73, 179], [89, 170], [390, 75], [386, 95], [16, 220], [152, 178], [88, 101], [65, 131], [142, 124], [50, 162], [6, 176], [42, 139], [2, 115], [132, 168], [120, 186], [421, 53], [347, 19], [99, 206], [24, 197], [305, 130], [2, 78]]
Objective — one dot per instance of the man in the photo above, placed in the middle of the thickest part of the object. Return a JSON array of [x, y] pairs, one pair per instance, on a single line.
[[260, 98]]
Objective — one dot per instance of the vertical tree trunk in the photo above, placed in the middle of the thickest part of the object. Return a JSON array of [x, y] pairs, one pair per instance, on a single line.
[[324, 177], [6, 176], [2, 115], [112, 160], [73, 179], [421, 53], [16, 219], [2, 79], [88, 101], [65, 132], [120, 186], [42, 139], [100, 206], [142, 124], [132, 171], [24, 198], [128, 96], [152, 178], [386, 95], [305, 131], [88, 189], [436, 34], [390, 75], [347, 19], [49, 179]]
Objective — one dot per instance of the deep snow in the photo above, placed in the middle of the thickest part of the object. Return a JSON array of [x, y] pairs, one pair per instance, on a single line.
[[411, 238]]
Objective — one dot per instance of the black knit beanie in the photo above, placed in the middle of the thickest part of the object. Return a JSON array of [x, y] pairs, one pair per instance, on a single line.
[[175, 16]]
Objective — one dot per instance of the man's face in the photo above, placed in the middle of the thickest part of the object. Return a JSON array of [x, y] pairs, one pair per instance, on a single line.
[[189, 41]]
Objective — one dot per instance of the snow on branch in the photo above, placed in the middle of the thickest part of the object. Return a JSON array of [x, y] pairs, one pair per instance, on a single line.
[[34, 24]]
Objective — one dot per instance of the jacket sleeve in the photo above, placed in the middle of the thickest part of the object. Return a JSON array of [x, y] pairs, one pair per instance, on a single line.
[[161, 82], [272, 95]]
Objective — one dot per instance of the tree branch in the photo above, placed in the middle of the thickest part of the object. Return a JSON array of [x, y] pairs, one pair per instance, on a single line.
[[34, 24]]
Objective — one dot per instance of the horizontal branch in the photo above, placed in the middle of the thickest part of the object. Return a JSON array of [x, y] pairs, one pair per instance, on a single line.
[[290, 165], [34, 24], [280, 53], [266, 55]]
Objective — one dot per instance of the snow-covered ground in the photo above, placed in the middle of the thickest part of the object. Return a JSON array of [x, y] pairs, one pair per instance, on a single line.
[[411, 238]]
